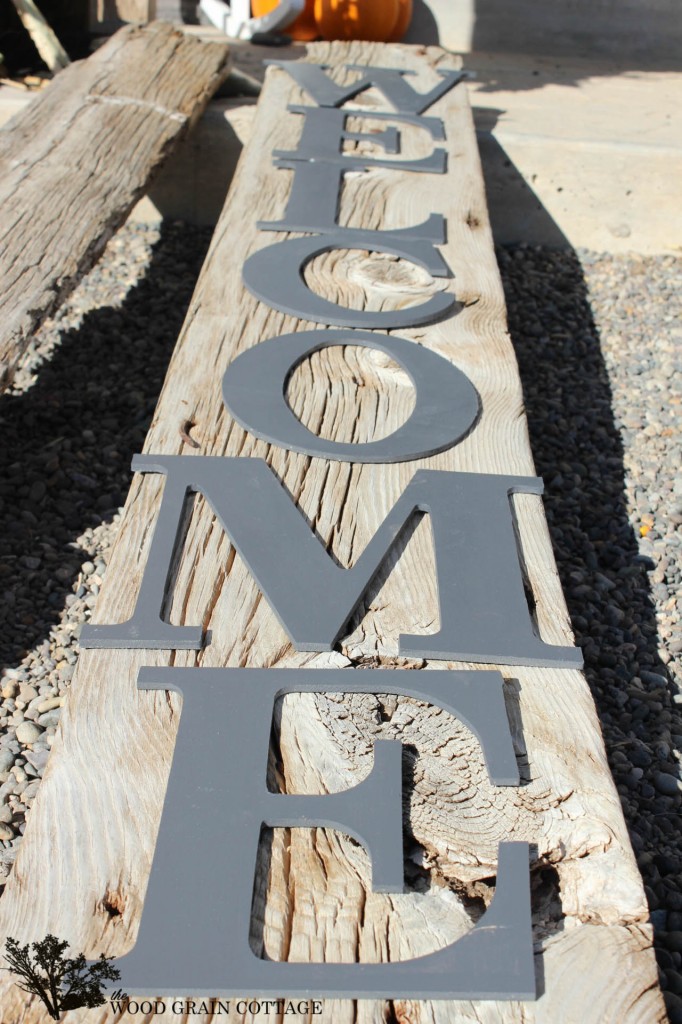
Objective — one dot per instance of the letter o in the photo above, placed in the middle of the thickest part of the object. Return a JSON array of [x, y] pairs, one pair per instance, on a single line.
[[447, 404]]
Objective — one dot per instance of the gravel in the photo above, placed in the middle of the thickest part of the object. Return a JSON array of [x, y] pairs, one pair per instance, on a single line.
[[598, 343], [79, 408]]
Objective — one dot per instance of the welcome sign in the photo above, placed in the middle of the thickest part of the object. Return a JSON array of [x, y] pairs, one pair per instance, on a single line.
[[275, 575]]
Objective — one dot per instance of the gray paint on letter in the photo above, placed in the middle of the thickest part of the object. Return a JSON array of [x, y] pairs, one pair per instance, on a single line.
[[392, 82], [324, 132], [319, 165], [484, 615], [275, 276], [194, 935], [446, 407]]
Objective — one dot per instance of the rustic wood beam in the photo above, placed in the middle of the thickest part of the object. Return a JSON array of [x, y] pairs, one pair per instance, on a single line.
[[74, 162], [46, 42], [91, 835]]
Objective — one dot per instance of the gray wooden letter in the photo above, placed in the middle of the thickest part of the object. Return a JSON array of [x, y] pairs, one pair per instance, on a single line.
[[275, 276], [313, 203], [324, 132], [484, 616], [391, 81], [194, 935], [319, 165], [446, 408]]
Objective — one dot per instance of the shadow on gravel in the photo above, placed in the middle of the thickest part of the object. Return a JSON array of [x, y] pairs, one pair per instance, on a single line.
[[68, 440], [578, 451]]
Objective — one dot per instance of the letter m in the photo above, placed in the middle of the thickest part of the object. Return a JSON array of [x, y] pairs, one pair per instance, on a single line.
[[484, 614]]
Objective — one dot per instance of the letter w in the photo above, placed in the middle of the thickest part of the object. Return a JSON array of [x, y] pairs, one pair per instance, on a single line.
[[391, 81], [484, 615]]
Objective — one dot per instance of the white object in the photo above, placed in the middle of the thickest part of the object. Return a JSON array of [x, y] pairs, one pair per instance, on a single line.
[[235, 19]]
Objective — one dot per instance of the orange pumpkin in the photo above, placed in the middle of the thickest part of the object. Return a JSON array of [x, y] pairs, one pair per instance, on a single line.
[[403, 23], [380, 21], [304, 28], [373, 20]]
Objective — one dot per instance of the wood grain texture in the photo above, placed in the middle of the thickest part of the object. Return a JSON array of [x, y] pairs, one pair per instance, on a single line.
[[92, 828], [44, 39], [74, 162]]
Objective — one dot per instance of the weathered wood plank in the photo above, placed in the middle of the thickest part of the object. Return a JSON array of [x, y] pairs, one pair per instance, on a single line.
[[111, 758], [73, 164], [46, 42]]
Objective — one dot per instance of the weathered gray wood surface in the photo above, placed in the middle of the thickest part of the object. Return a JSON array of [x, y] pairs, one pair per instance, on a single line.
[[75, 161], [90, 838]]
